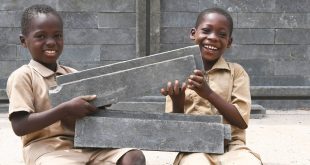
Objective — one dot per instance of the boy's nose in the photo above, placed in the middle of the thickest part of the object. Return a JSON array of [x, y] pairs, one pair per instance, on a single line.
[[212, 36], [50, 42]]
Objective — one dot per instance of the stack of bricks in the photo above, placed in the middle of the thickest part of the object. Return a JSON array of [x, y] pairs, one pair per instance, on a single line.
[[140, 128]]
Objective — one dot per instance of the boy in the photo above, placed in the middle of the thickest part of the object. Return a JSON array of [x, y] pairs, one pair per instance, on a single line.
[[47, 132], [221, 88]]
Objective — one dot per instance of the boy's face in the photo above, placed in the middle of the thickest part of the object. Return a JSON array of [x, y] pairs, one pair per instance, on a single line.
[[213, 36], [44, 39]]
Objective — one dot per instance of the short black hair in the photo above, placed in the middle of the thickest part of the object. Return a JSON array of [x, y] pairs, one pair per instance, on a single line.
[[219, 11], [33, 11]]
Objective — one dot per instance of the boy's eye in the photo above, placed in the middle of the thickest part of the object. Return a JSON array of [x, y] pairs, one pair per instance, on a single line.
[[58, 36], [222, 34], [40, 36], [206, 30]]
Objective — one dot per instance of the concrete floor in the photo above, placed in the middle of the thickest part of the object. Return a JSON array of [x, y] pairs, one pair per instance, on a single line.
[[281, 138]]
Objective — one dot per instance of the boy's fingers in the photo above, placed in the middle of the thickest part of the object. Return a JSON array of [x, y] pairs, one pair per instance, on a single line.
[[90, 108], [198, 72], [170, 88], [88, 97], [196, 78], [194, 84], [190, 87], [163, 92], [183, 87], [176, 87]]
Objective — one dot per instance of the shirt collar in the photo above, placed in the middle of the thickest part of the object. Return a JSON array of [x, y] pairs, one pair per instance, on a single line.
[[220, 64], [44, 71]]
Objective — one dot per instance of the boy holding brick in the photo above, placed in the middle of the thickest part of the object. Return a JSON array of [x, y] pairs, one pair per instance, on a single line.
[[47, 132], [221, 88]]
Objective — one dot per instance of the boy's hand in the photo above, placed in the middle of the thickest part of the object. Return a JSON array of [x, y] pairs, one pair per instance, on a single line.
[[174, 91], [198, 83], [177, 95], [79, 107]]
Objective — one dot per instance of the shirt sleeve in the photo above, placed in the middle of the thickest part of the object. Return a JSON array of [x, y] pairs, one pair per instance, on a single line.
[[241, 97], [19, 91], [168, 106]]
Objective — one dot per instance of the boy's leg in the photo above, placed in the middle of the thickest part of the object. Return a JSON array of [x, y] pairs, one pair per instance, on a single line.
[[65, 157], [135, 157], [116, 156], [193, 159], [239, 155], [91, 157]]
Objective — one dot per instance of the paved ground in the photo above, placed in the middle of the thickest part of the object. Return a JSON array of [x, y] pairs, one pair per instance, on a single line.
[[281, 138]]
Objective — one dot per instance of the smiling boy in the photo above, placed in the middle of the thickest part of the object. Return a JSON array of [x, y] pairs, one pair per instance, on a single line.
[[222, 88], [47, 132]]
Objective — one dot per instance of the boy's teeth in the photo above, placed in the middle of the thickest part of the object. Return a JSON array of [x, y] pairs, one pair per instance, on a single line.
[[50, 51], [210, 47]]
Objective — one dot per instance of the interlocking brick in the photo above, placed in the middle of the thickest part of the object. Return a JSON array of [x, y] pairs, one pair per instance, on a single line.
[[134, 63], [163, 132], [113, 87]]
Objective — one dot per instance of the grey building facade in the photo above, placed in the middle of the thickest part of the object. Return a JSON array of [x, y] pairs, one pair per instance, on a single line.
[[271, 37]]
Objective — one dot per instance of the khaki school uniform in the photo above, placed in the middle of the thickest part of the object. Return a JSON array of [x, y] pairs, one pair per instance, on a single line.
[[27, 89], [231, 82]]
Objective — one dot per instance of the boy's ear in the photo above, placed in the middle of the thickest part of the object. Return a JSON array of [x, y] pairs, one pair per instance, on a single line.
[[22, 40], [229, 42], [192, 34]]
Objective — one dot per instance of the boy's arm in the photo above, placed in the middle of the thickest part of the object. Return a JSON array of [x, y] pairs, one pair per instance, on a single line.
[[198, 83], [24, 122], [228, 110]]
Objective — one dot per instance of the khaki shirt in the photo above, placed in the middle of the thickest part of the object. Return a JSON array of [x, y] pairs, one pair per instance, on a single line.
[[27, 90], [231, 82]]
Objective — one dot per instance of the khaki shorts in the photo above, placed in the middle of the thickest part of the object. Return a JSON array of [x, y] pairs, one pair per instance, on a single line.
[[82, 157], [60, 151], [236, 155]]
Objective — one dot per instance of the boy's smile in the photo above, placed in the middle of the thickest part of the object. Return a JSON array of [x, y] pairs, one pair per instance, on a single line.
[[44, 39], [213, 36]]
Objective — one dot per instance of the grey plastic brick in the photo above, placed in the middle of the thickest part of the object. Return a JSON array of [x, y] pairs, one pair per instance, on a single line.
[[151, 134], [113, 87]]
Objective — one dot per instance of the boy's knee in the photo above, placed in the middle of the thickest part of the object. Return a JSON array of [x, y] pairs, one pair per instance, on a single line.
[[133, 157]]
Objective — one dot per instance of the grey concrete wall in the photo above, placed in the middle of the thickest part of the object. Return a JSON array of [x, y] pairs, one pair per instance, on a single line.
[[96, 32], [271, 37]]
